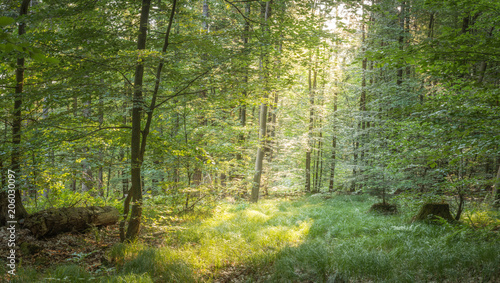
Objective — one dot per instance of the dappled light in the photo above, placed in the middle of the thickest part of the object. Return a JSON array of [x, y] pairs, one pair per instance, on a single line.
[[250, 141]]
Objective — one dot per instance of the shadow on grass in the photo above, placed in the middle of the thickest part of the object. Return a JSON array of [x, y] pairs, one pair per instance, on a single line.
[[347, 243]]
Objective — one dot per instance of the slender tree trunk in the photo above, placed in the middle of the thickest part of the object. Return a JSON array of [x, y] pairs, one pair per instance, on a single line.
[[274, 114], [334, 135], [362, 109], [260, 153], [496, 189], [243, 107], [334, 161], [88, 178], [311, 82], [399, 80], [269, 142], [108, 188], [138, 145], [202, 120], [123, 175], [355, 146], [317, 165], [100, 172], [135, 193], [265, 10]]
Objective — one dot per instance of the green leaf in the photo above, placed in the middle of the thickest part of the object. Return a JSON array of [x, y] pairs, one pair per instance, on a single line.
[[38, 56], [8, 47], [4, 21], [52, 60]]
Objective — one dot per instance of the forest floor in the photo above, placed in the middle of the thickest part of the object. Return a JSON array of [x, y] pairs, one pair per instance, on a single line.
[[319, 238]]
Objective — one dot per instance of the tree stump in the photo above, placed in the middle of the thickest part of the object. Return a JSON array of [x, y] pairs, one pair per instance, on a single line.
[[54, 221], [431, 211], [384, 208]]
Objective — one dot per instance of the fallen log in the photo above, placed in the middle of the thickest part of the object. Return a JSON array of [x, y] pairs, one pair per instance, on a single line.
[[54, 221]]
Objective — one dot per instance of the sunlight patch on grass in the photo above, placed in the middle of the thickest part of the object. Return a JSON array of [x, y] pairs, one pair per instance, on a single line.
[[253, 216], [236, 236], [232, 235]]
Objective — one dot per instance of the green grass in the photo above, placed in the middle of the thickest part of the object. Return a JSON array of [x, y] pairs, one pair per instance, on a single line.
[[318, 240], [307, 240]]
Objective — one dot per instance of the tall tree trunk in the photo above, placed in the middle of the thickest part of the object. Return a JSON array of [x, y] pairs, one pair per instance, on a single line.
[[138, 145], [88, 178], [265, 10], [362, 108], [311, 84], [334, 136], [135, 193], [202, 120], [274, 120], [260, 153], [318, 160], [243, 106], [16, 132]]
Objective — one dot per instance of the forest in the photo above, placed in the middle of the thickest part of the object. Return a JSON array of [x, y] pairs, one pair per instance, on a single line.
[[250, 141]]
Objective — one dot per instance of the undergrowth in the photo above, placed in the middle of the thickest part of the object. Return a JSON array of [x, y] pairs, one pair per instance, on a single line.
[[308, 240]]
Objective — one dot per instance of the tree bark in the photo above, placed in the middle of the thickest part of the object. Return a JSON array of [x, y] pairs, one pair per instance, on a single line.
[[263, 113], [243, 107], [138, 145], [260, 153], [334, 137], [59, 220], [202, 119], [135, 149], [430, 210], [333, 158], [496, 189], [362, 109], [16, 132], [88, 178], [312, 83]]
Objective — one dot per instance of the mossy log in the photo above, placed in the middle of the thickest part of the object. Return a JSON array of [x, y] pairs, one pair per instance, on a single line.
[[54, 221], [430, 211]]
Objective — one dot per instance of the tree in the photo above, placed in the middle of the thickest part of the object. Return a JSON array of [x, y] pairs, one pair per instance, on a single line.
[[139, 136], [263, 65], [20, 211]]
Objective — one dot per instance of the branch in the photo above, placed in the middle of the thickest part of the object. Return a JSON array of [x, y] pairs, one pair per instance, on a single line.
[[181, 91], [239, 11], [99, 64], [145, 132]]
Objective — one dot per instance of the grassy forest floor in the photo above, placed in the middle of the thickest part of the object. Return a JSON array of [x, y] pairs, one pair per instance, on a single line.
[[319, 238]]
